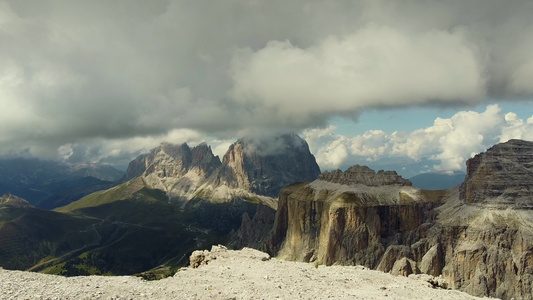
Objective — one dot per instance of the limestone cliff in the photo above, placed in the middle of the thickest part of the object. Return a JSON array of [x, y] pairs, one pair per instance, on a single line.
[[329, 222], [479, 237], [501, 177]]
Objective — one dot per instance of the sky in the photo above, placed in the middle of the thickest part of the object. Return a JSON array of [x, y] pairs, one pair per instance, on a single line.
[[414, 86]]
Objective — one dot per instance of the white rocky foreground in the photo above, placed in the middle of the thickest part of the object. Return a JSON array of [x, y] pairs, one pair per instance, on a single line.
[[226, 274]]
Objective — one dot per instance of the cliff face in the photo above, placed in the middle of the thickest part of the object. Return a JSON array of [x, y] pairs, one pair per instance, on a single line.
[[329, 222], [501, 177], [478, 237]]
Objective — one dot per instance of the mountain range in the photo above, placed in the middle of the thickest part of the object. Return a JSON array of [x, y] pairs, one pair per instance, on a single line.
[[175, 199], [437, 181], [50, 184]]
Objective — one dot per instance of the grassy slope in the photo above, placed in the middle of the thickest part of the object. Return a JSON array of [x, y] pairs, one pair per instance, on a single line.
[[119, 192], [29, 235], [125, 230]]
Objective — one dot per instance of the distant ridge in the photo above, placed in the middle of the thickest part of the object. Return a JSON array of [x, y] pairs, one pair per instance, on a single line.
[[48, 184], [437, 181]]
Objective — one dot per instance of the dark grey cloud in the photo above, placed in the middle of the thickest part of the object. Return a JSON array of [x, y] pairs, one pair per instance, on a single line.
[[111, 72]]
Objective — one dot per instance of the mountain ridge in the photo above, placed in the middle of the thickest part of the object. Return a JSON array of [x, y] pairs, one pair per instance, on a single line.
[[252, 168]]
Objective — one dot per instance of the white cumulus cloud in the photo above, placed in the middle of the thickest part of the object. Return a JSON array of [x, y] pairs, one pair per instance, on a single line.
[[448, 142]]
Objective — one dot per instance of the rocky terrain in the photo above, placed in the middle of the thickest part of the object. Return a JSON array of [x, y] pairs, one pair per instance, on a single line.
[[225, 274], [479, 237]]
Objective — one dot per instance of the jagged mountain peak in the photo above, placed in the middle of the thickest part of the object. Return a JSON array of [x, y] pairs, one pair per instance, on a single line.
[[259, 165], [172, 160], [364, 175], [264, 165]]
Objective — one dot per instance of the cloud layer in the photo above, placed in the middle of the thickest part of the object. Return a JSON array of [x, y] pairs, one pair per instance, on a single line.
[[447, 144], [105, 74]]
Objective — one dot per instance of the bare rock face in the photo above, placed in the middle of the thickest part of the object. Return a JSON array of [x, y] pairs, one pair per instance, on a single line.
[[170, 160], [477, 238], [255, 232], [136, 168], [265, 165], [204, 257], [502, 176], [404, 267]]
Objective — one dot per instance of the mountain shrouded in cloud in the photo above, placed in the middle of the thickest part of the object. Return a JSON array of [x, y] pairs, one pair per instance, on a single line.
[[113, 79]]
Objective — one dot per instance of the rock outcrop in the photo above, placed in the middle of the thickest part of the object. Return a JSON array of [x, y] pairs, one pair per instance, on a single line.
[[478, 237]]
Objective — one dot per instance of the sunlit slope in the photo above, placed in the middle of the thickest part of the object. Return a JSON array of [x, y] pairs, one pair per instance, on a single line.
[[119, 192]]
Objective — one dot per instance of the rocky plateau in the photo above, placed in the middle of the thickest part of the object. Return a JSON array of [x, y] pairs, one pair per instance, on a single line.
[[478, 237]]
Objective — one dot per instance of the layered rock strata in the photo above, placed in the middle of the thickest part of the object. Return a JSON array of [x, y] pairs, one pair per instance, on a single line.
[[478, 237], [502, 177]]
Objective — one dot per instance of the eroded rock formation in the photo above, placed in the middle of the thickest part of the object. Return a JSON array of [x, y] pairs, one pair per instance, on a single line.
[[478, 237]]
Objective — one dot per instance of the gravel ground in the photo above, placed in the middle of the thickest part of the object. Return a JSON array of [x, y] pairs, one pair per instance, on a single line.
[[244, 274]]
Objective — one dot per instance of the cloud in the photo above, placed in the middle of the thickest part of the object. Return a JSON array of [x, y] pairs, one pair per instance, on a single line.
[[330, 150], [103, 73], [448, 143], [375, 67]]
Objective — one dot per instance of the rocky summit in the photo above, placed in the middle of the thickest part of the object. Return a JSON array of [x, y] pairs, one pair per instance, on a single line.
[[252, 167], [478, 237], [265, 165]]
